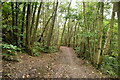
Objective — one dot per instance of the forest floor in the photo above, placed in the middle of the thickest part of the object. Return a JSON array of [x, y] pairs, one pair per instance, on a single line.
[[62, 64]]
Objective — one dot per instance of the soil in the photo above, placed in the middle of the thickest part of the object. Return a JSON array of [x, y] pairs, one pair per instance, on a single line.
[[62, 64]]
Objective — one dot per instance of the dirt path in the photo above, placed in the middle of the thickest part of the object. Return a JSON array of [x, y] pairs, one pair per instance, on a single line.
[[62, 64]]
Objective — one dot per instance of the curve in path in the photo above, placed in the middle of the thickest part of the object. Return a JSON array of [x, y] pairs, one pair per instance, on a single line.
[[69, 66], [62, 64]]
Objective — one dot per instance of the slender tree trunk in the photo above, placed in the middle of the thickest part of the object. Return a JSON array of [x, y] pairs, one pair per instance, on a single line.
[[65, 23], [23, 22], [41, 36], [28, 20], [68, 34], [12, 5], [37, 22], [52, 27], [74, 37], [63, 31], [16, 24], [13, 20], [33, 20], [109, 33], [94, 28], [16, 13], [83, 47], [77, 38], [118, 13], [100, 33], [84, 13], [58, 35]]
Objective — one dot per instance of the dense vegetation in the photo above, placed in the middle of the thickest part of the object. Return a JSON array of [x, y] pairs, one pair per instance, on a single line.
[[91, 28]]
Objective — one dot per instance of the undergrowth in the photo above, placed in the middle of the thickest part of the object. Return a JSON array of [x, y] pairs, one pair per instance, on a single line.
[[8, 51], [38, 48], [109, 65]]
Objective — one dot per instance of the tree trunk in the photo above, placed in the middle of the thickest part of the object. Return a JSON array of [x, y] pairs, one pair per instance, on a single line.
[[13, 20], [23, 21], [33, 20], [109, 33], [100, 33], [28, 20], [63, 31], [118, 13], [44, 28], [84, 13], [74, 37], [37, 22], [65, 23], [68, 33], [94, 30], [52, 27], [83, 47], [16, 24]]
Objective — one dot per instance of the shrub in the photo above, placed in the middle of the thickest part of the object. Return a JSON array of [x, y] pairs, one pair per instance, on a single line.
[[11, 49], [78, 51], [110, 65], [37, 48]]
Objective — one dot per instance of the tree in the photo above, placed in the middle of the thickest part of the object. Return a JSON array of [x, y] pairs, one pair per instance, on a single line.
[[23, 24], [118, 13], [74, 37], [37, 22], [100, 33], [16, 23], [109, 33], [52, 25], [28, 20], [87, 28], [13, 20], [64, 26], [33, 20], [85, 23]]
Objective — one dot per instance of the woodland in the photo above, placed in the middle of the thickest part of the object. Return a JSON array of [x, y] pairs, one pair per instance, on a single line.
[[39, 29]]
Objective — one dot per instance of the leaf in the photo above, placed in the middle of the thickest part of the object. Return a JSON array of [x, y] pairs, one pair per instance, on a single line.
[[4, 54]]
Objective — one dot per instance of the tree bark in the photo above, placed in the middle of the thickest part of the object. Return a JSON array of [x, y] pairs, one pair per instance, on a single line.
[[52, 27], [118, 14], [63, 30], [23, 21], [37, 22], [13, 20], [109, 33], [65, 23], [94, 29], [28, 20], [44, 28], [100, 33], [74, 37], [33, 20], [16, 24], [83, 47]]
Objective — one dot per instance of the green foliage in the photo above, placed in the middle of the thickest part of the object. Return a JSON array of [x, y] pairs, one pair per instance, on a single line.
[[110, 65], [9, 46], [11, 49], [86, 34], [78, 51], [51, 49], [38, 48], [48, 50]]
